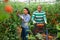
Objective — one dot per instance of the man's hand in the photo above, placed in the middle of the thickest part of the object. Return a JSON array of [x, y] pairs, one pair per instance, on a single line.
[[34, 22], [45, 22]]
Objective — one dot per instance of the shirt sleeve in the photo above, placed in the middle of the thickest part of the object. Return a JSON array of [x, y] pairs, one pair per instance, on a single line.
[[45, 19], [33, 17], [20, 16], [27, 19]]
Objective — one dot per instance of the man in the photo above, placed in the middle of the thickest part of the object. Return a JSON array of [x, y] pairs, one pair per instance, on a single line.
[[38, 18]]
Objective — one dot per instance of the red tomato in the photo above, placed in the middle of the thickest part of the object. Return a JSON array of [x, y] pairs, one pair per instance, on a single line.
[[40, 25], [50, 37], [6, 0], [8, 8], [44, 35]]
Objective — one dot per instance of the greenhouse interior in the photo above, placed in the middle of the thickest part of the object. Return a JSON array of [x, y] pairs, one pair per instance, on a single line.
[[29, 19]]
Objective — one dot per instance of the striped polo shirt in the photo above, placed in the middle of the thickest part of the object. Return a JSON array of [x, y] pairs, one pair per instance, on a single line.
[[39, 17]]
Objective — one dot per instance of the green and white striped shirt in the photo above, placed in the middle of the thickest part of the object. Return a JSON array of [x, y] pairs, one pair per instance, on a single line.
[[39, 17]]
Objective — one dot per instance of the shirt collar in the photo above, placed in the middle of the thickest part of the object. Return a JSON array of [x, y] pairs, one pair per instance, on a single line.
[[38, 12], [25, 15]]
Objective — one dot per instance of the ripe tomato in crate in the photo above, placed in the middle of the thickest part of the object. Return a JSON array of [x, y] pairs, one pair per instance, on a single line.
[[40, 25]]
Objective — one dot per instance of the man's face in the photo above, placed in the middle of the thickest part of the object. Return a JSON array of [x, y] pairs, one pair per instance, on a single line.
[[39, 8]]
